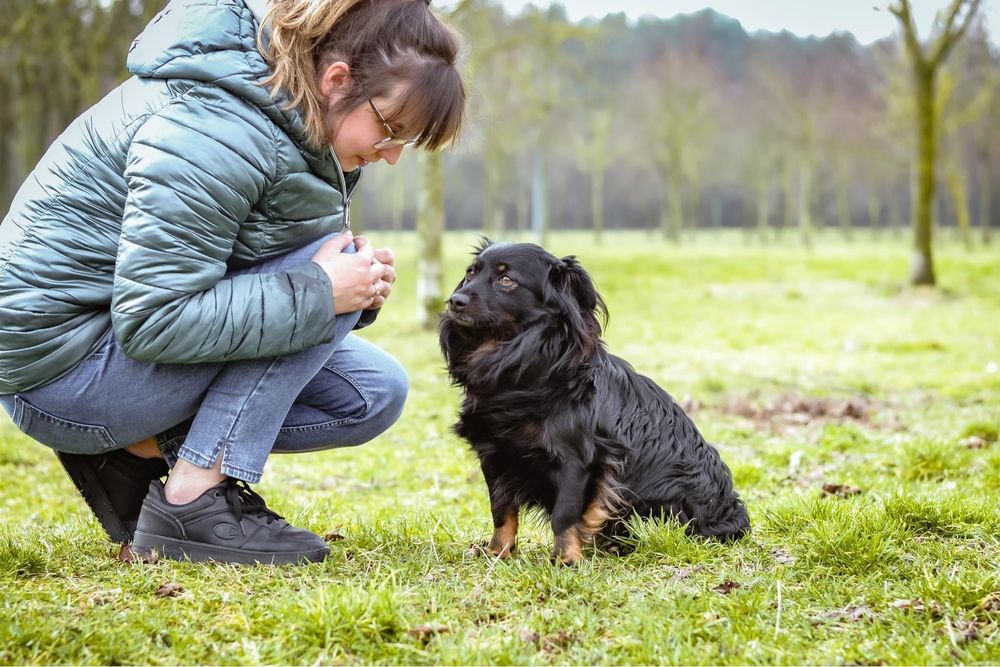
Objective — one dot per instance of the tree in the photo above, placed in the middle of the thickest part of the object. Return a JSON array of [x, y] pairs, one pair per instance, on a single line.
[[925, 64], [680, 121]]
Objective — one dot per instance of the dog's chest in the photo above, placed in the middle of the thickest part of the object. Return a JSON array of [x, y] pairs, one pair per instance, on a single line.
[[515, 440]]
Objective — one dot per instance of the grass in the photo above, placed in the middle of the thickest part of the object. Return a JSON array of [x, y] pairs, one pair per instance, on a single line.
[[762, 342]]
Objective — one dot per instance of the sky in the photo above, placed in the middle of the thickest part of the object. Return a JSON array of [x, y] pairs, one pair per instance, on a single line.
[[802, 17]]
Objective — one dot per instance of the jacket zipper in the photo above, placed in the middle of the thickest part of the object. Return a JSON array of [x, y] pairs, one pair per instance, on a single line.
[[343, 190]]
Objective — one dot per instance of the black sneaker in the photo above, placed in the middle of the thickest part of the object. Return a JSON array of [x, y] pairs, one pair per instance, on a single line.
[[229, 523], [113, 484]]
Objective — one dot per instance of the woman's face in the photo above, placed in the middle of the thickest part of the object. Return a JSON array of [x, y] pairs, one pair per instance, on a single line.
[[353, 135]]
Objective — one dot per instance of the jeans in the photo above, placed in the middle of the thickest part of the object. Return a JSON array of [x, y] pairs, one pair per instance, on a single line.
[[342, 393]]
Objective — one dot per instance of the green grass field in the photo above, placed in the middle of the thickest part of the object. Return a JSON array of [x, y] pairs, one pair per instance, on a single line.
[[807, 369]]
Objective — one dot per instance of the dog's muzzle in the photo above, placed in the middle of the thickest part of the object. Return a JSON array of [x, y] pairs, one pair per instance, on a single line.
[[457, 305]]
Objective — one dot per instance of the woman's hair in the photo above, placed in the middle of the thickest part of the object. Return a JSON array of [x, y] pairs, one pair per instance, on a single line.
[[387, 44]]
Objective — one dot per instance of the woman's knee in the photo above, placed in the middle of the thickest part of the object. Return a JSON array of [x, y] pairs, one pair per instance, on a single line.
[[394, 387]]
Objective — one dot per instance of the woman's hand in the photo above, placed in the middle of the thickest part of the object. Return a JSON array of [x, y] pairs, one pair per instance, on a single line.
[[387, 259], [358, 279]]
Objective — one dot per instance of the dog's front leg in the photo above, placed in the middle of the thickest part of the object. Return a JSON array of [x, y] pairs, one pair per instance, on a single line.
[[505, 513], [567, 527]]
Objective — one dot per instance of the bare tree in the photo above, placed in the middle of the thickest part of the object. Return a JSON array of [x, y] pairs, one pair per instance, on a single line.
[[925, 64]]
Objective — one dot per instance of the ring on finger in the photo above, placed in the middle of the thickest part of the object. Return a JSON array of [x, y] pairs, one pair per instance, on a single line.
[[378, 288]]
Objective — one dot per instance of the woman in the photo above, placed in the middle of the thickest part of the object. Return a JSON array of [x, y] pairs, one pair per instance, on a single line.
[[178, 280]]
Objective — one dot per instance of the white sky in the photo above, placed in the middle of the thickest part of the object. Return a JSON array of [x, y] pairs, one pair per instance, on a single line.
[[802, 17]]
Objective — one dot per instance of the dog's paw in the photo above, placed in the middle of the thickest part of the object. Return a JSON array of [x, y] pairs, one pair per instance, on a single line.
[[501, 550], [568, 547], [569, 559]]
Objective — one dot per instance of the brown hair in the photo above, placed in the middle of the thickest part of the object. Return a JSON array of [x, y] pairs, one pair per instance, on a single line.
[[387, 43]]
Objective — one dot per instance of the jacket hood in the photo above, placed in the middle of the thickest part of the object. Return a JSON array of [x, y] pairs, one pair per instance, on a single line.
[[213, 41]]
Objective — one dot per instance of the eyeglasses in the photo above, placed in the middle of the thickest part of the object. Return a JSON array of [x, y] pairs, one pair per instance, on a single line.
[[391, 140]]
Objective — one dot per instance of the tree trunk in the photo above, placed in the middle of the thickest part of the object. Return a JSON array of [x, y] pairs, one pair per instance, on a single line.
[[875, 208], [956, 185], [985, 201], [521, 209], [597, 201], [922, 262], [694, 201], [895, 204], [787, 220], [539, 211], [598, 163], [430, 226], [804, 201], [6, 177], [398, 199], [843, 195], [488, 194], [763, 205], [673, 209]]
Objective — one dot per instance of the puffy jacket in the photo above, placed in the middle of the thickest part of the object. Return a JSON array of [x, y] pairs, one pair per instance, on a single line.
[[134, 214]]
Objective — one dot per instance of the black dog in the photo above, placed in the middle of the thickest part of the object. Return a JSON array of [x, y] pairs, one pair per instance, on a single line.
[[560, 424]]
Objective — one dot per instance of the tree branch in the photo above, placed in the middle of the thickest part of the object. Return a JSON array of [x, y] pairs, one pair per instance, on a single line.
[[950, 36], [902, 12]]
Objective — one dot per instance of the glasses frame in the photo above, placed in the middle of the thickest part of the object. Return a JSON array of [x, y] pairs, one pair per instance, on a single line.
[[391, 139]]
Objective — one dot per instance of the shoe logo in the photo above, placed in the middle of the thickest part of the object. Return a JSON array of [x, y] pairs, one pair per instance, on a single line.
[[226, 531]]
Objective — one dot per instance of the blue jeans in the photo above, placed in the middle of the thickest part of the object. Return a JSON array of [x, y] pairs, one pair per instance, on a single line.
[[337, 394]]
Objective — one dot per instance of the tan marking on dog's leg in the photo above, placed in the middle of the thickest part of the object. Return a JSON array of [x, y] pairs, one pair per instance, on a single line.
[[569, 545], [568, 548], [594, 517], [504, 539]]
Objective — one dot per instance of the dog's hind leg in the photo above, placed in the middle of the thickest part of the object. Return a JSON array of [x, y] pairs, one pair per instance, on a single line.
[[575, 520]]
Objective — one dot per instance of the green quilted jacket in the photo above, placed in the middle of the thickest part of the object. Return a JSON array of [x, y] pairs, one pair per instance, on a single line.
[[133, 216]]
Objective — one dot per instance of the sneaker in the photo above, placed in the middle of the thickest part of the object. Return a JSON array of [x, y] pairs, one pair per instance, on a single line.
[[113, 484], [229, 523]]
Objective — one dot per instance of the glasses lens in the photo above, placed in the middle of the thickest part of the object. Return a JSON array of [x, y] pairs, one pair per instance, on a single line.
[[392, 142]]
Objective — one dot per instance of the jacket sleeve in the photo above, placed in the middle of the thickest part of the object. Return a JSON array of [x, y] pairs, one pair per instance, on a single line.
[[194, 170]]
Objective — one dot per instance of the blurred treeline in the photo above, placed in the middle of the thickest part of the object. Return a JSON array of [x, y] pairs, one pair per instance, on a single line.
[[662, 124]]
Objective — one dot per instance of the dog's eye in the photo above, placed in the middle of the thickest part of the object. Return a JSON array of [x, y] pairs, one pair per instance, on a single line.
[[506, 281], [469, 272]]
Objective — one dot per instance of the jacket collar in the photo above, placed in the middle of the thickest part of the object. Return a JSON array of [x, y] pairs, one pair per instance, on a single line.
[[258, 8]]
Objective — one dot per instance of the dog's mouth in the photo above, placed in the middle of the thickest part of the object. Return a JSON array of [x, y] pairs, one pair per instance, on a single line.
[[462, 319]]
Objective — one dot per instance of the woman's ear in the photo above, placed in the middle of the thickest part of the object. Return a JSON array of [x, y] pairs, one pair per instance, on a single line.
[[334, 81]]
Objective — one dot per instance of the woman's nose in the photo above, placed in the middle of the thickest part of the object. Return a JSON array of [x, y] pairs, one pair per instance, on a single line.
[[391, 154]]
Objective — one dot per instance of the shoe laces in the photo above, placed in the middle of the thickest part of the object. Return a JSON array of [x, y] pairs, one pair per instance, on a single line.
[[243, 499]]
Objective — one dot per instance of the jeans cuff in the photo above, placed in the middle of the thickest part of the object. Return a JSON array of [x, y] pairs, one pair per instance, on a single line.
[[248, 476]]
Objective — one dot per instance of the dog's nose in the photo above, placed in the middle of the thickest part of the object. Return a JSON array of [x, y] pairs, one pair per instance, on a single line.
[[458, 301]]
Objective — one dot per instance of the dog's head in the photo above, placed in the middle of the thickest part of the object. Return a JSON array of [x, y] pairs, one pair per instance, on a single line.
[[512, 289]]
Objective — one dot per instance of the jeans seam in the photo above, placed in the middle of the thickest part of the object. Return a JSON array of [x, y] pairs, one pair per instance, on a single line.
[[31, 412], [344, 421], [223, 445]]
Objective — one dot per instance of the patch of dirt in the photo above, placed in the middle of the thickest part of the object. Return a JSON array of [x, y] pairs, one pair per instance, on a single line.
[[841, 490], [726, 587], [794, 409], [850, 614], [169, 590]]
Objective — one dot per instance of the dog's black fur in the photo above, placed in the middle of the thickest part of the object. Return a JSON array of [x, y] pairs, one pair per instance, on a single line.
[[560, 424]]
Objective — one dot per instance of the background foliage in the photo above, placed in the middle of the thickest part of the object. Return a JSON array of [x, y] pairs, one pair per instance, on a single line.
[[676, 124]]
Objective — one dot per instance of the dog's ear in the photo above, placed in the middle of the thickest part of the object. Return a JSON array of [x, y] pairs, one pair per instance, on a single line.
[[570, 278]]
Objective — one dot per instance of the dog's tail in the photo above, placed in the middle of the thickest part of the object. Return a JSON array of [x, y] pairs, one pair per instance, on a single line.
[[727, 520]]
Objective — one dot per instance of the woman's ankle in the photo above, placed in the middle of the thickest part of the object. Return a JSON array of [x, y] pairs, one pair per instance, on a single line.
[[187, 482]]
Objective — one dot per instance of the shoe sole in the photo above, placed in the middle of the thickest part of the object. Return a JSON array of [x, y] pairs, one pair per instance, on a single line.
[[199, 552], [80, 469]]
